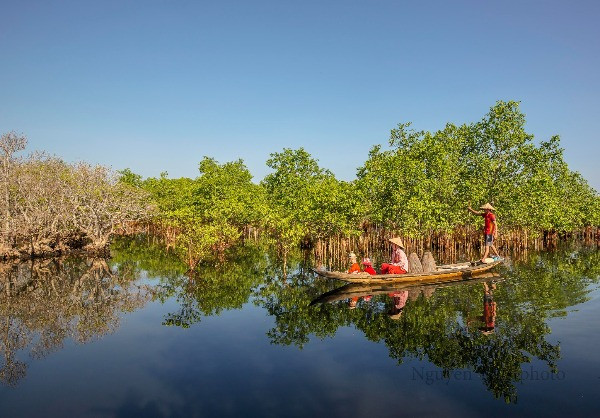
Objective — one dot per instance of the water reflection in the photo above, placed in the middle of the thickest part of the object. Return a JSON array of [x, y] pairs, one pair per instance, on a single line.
[[489, 309], [448, 325], [212, 288], [490, 327], [45, 302]]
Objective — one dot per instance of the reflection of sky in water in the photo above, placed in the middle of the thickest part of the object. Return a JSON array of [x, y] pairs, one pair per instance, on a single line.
[[225, 365]]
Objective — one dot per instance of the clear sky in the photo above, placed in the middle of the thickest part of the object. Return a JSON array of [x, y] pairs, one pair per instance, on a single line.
[[156, 85]]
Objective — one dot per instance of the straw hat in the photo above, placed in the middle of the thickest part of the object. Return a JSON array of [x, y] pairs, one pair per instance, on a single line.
[[487, 206], [367, 262], [397, 241], [352, 256]]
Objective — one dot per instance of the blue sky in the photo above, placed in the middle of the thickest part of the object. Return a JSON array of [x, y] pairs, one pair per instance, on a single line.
[[156, 85]]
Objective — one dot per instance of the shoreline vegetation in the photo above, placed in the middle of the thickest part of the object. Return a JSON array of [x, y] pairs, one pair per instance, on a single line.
[[418, 188]]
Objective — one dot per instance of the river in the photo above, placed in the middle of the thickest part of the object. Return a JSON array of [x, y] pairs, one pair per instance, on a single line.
[[134, 335]]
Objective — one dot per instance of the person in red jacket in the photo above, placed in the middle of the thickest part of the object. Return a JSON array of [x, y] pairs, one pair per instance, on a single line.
[[490, 229], [368, 266]]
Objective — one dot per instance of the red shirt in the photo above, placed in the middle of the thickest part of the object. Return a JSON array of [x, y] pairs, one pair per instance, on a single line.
[[369, 269], [490, 220], [489, 314]]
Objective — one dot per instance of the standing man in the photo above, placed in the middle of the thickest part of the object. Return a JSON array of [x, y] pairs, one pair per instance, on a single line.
[[490, 230]]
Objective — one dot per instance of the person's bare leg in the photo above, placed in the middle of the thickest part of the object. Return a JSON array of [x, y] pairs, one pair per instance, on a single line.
[[495, 250], [485, 253]]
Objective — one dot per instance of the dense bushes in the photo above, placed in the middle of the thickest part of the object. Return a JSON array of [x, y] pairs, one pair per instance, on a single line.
[[208, 214]]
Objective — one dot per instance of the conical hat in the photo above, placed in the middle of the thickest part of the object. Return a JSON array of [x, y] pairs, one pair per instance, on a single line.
[[397, 241], [396, 315], [487, 206], [487, 330]]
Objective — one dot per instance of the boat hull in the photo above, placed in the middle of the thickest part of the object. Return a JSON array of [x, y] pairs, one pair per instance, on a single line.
[[452, 271]]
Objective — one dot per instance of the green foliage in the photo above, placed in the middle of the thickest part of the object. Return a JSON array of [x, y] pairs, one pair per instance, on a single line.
[[171, 196], [306, 201], [423, 183], [210, 212], [419, 186], [129, 177], [416, 185]]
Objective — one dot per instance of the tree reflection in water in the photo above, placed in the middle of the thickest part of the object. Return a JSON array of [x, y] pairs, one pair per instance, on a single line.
[[44, 302], [211, 288], [445, 326]]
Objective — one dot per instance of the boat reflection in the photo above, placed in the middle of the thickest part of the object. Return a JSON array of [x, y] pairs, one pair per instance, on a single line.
[[352, 290]]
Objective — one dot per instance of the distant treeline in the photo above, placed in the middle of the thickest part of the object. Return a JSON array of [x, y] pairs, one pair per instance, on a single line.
[[417, 187]]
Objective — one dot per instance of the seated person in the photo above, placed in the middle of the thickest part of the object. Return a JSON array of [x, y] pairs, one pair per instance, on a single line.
[[399, 264], [368, 266], [354, 268]]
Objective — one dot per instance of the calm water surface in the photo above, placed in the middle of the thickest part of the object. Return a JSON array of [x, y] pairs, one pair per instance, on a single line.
[[134, 336]]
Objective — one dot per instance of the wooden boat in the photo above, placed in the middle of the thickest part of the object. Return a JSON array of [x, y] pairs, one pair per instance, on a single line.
[[351, 290], [448, 271]]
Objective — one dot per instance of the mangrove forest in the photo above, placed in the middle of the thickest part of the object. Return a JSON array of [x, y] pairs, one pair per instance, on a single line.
[[417, 186]]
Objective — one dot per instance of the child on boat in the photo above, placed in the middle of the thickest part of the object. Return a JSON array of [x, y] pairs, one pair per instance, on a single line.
[[354, 268], [399, 264], [368, 266]]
